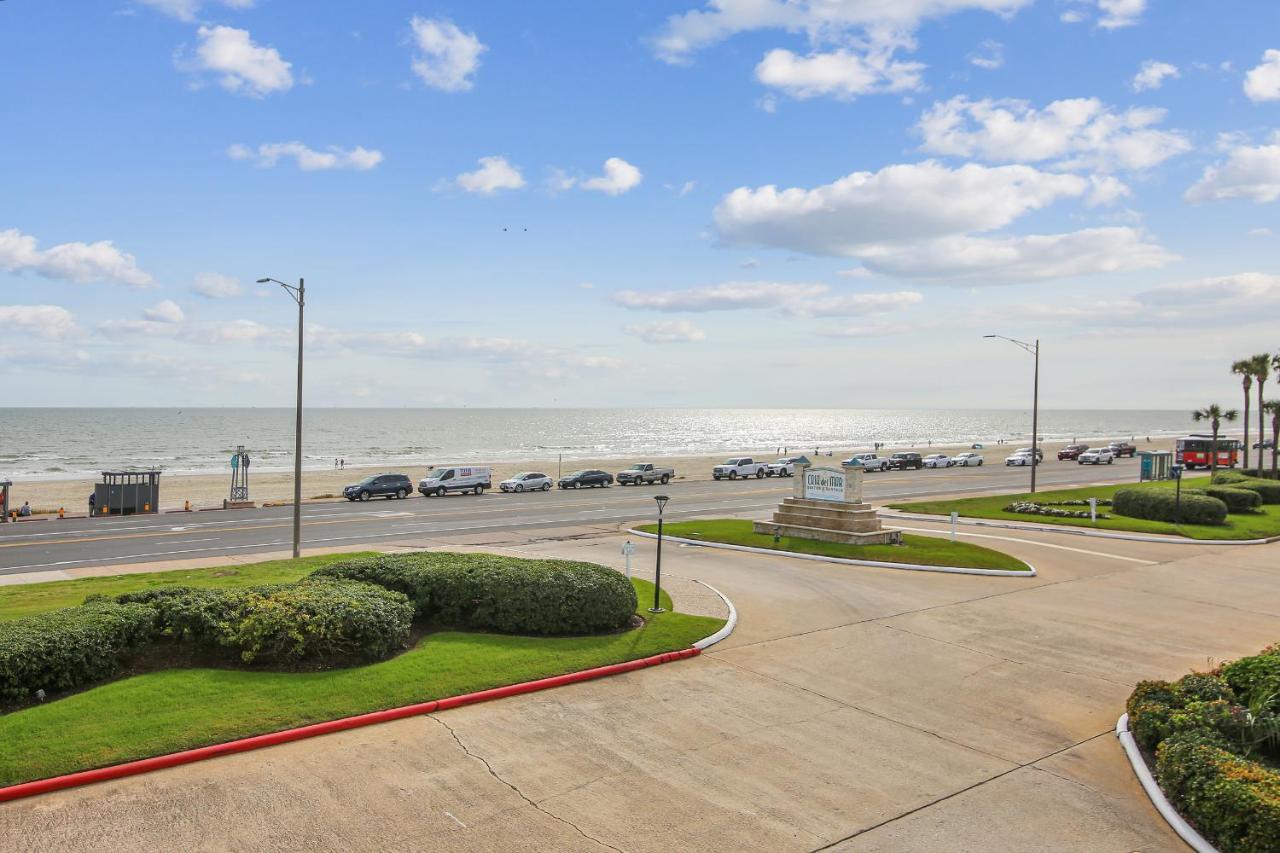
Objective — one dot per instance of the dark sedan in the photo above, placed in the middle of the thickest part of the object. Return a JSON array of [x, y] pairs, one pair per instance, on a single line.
[[379, 486], [578, 479]]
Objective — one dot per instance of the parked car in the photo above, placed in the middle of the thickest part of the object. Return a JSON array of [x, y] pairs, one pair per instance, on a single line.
[[1122, 448], [645, 473], [1021, 457], [870, 462], [1071, 452], [590, 477], [937, 460], [903, 461], [1266, 444], [739, 466], [785, 467], [526, 481], [1097, 456], [445, 478], [967, 460], [396, 486]]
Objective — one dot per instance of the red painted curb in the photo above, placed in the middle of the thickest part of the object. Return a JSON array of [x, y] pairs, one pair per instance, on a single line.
[[173, 759]]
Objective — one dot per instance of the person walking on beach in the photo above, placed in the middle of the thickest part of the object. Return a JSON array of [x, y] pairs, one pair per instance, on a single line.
[[93, 499], [342, 463]]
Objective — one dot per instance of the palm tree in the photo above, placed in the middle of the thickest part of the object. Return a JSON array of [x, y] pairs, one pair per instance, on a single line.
[[1215, 415], [1262, 363], [1244, 368], [1273, 407]]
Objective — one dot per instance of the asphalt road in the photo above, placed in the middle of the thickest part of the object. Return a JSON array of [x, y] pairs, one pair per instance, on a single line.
[[74, 543]]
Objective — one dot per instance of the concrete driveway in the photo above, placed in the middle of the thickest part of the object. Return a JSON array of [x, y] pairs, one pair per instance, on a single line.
[[854, 709]]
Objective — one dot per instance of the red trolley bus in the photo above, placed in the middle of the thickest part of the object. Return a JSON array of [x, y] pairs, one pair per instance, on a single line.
[[1195, 451]]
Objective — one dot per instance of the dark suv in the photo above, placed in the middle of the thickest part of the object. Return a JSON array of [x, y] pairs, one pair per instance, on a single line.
[[1071, 451], [380, 486], [903, 461], [578, 479], [1122, 448]]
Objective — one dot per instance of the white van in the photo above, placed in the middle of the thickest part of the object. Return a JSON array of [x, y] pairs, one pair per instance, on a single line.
[[455, 479]]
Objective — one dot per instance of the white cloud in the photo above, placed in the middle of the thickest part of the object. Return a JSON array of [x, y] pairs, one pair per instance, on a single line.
[[1262, 83], [856, 272], [1249, 172], [1152, 75], [166, 311], [309, 160], [1006, 260], [187, 10], [245, 68], [668, 332], [494, 174], [1073, 133], [619, 177], [842, 74], [896, 204], [79, 262], [989, 56], [447, 57], [1249, 289], [49, 322], [792, 299], [1259, 232], [1120, 13], [217, 286], [873, 330], [1106, 190]]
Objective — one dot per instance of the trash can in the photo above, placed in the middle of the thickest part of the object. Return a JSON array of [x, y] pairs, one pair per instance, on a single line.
[[127, 493]]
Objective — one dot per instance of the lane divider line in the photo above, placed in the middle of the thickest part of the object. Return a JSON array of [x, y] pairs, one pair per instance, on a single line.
[[1076, 531], [1037, 544]]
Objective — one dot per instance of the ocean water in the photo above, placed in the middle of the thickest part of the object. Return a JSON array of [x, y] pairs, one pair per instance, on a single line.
[[67, 442]]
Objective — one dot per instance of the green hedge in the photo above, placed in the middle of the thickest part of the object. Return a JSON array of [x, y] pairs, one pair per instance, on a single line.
[[1161, 505], [64, 649], [505, 594], [1213, 738], [1269, 490], [1236, 499]]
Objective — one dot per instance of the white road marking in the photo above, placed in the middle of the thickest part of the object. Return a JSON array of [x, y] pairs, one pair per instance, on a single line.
[[1032, 542]]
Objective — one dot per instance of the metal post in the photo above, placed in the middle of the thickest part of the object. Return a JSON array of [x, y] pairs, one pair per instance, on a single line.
[[657, 573], [297, 434], [1177, 500], [1035, 420], [954, 516]]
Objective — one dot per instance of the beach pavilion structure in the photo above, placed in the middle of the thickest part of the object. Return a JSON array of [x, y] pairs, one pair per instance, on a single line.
[[127, 493]]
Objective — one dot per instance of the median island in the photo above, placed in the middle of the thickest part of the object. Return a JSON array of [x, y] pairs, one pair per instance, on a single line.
[[914, 550], [1228, 506], [101, 671]]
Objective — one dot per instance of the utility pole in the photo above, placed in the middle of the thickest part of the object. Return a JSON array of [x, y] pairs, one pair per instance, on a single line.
[[299, 295]]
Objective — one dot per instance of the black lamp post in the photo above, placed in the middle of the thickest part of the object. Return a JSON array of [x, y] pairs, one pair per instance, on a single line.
[[299, 294], [1034, 349], [661, 501]]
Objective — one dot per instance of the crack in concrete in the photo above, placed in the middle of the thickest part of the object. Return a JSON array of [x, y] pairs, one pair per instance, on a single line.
[[517, 791]]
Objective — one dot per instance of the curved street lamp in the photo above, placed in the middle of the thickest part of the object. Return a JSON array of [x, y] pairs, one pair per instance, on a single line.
[[661, 501], [1034, 349], [299, 294]]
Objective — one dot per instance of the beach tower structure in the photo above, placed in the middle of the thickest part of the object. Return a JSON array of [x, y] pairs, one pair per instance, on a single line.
[[239, 481], [127, 493]]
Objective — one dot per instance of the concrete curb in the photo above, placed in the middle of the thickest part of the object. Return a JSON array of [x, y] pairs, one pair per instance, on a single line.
[[190, 756], [1176, 822], [879, 564], [1077, 531], [729, 625]]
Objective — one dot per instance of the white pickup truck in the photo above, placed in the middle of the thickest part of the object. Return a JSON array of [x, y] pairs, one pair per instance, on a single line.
[[643, 473], [870, 462], [739, 466]]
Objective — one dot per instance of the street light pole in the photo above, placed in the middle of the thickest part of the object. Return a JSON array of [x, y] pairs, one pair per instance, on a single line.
[[299, 295], [1034, 349], [661, 500]]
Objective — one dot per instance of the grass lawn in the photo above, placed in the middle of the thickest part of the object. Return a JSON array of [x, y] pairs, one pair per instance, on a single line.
[[1238, 526], [179, 709], [924, 550], [26, 599]]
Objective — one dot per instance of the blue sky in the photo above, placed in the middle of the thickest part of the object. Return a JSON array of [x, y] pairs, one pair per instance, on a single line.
[[1101, 174]]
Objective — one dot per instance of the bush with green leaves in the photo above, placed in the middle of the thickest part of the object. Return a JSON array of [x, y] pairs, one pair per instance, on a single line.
[[68, 648], [497, 593], [1268, 490], [1236, 499], [1162, 505], [1216, 739]]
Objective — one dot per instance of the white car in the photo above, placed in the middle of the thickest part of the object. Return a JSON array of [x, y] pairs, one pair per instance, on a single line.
[[966, 460], [1019, 458], [528, 481], [785, 467], [937, 460], [1096, 456]]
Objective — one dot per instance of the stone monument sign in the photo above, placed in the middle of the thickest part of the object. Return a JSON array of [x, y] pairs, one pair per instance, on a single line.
[[826, 505]]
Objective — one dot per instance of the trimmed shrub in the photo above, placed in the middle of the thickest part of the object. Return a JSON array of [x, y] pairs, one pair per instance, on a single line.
[[1229, 477], [1268, 490], [1233, 801], [496, 593], [1236, 499], [67, 648], [1161, 505], [1259, 473], [1259, 673], [188, 613], [318, 620]]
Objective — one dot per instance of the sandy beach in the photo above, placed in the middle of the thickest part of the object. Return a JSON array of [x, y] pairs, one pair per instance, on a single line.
[[209, 490]]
